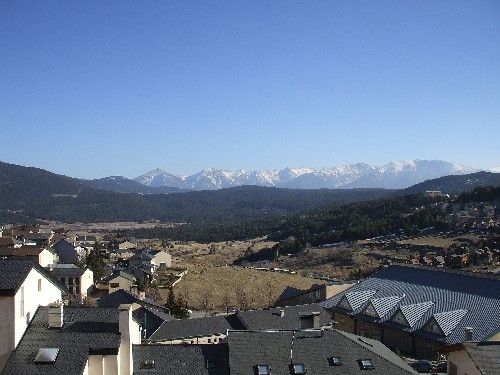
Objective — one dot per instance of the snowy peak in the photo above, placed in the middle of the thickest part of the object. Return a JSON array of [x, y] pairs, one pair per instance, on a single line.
[[158, 177], [394, 175]]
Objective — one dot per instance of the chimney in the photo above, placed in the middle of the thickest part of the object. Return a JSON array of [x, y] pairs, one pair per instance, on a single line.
[[281, 312], [125, 326], [55, 315], [468, 333]]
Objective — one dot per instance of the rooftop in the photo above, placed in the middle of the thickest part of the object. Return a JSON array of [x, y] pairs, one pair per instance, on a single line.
[[411, 298]]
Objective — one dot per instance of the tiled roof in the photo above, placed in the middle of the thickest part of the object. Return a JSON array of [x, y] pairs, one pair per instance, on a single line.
[[13, 272], [312, 348], [191, 328], [70, 270], [272, 319], [181, 359], [447, 291], [121, 297], [122, 273], [356, 299], [243, 320], [85, 331], [448, 320], [414, 312], [385, 304]]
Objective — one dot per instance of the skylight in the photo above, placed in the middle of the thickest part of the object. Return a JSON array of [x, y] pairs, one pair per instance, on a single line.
[[148, 364], [335, 361], [263, 370], [298, 369], [366, 364], [46, 355]]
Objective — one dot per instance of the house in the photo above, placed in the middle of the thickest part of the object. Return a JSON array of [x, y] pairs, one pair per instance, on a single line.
[[120, 280], [78, 281], [85, 241], [66, 252], [41, 255], [154, 259], [38, 239], [127, 245], [76, 340], [420, 311], [24, 285], [213, 330], [315, 352], [121, 254], [474, 358], [316, 293]]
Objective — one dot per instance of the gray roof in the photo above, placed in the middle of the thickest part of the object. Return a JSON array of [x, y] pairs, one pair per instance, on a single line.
[[313, 348], [243, 320], [13, 272], [428, 292], [122, 273], [150, 319], [271, 318], [85, 331], [191, 328], [181, 359], [121, 297], [69, 270], [485, 355]]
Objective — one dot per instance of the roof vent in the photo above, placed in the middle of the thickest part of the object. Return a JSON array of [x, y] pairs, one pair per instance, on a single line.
[[298, 369], [469, 331], [55, 315], [335, 361], [46, 355], [262, 370]]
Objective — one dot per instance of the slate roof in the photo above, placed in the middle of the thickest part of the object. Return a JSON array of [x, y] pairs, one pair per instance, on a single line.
[[192, 328], [67, 270], [121, 297], [85, 331], [13, 272], [271, 319], [313, 348], [243, 320], [122, 273], [150, 319], [485, 355], [181, 359], [428, 291]]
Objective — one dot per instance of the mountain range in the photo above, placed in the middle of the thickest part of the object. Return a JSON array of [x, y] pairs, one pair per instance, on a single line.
[[394, 175]]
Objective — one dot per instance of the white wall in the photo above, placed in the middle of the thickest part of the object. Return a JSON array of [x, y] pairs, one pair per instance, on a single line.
[[13, 324], [86, 283], [32, 299], [162, 257], [46, 258]]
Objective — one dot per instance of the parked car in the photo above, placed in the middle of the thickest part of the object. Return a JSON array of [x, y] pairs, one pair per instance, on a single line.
[[422, 366]]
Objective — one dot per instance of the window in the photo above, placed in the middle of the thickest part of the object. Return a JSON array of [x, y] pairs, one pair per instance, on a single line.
[[366, 364], [21, 306], [39, 285], [46, 355], [335, 361], [298, 369], [263, 370], [209, 364], [114, 285]]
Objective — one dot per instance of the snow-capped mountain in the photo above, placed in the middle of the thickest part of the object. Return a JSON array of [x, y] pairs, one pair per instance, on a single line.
[[393, 175]]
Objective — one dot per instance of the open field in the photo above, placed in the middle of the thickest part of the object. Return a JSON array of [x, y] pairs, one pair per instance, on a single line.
[[215, 288], [104, 227]]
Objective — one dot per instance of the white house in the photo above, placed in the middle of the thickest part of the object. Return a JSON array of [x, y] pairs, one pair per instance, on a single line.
[[24, 286], [78, 281]]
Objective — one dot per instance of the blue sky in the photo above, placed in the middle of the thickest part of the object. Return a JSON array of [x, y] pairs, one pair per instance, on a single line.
[[96, 88]]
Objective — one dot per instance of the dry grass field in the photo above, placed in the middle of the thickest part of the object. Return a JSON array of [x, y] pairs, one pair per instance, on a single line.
[[216, 288]]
